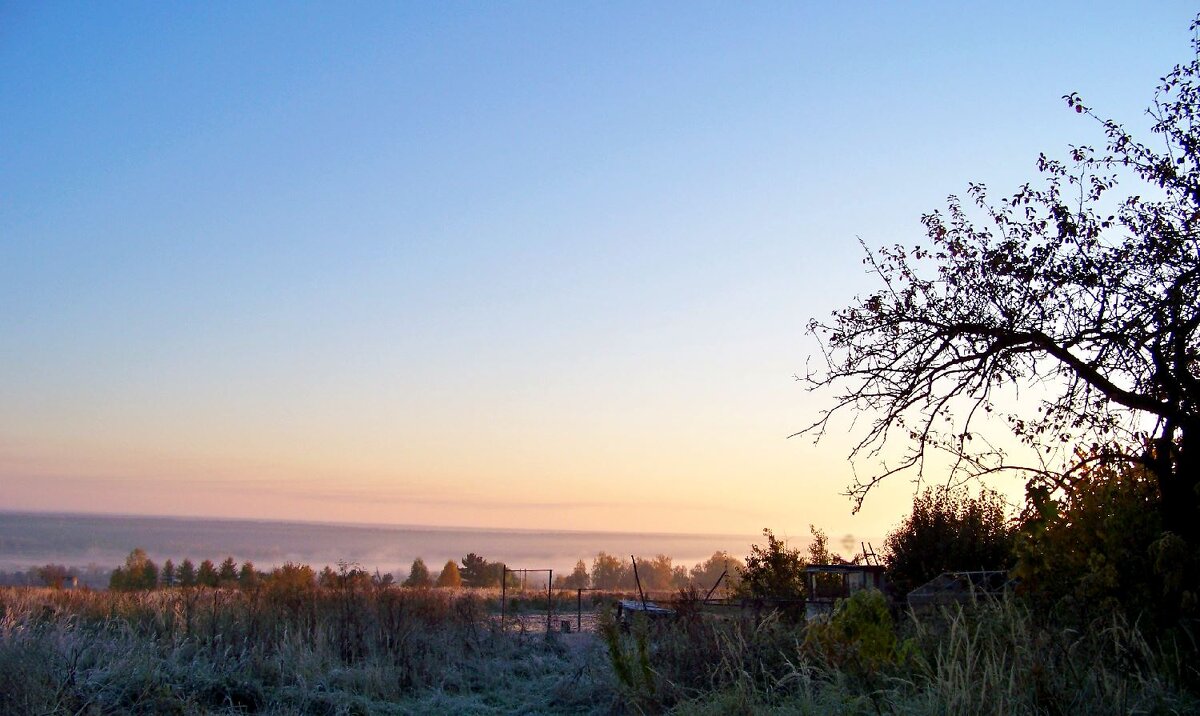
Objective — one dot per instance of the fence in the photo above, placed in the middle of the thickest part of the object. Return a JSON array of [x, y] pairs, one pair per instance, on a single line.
[[557, 601]]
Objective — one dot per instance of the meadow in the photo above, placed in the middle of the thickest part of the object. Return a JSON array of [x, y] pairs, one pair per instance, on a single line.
[[394, 650], [317, 651]]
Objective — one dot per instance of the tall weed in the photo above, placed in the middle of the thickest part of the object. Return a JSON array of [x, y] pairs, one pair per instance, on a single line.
[[988, 657], [325, 651]]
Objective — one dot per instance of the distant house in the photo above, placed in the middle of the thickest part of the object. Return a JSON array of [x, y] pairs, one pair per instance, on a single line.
[[828, 583]]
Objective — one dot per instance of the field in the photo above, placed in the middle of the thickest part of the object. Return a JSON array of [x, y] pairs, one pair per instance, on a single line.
[[401, 651], [316, 651]]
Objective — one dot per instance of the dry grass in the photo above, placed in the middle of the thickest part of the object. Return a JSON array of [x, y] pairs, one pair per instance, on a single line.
[[384, 651], [989, 658], [399, 651]]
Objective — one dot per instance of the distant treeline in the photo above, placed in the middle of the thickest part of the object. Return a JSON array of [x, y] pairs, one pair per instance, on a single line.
[[658, 573], [606, 572], [57, 575]]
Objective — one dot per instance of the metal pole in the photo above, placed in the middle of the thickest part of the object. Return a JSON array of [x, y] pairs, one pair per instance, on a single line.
[[639, 582], [716, 584], [503, 592], [549, 583], [578, 610]]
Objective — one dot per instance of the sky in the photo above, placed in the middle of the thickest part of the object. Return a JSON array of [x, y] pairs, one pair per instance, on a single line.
[[516, 265]]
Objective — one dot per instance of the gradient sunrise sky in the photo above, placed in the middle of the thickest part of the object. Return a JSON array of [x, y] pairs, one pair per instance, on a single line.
[[530, 265]]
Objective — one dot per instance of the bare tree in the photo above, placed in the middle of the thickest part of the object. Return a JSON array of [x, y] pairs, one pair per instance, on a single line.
[[1067, 310]]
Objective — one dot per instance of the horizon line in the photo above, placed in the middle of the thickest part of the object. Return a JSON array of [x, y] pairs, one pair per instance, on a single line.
[[358, 525]]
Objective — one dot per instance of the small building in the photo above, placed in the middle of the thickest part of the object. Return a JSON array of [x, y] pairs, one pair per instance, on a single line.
[[828, 583]]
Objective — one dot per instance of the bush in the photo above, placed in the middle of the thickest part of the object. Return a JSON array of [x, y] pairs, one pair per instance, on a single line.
[[1100, 548], [774, 570], [860, 637], [989, 658], [948, 531]]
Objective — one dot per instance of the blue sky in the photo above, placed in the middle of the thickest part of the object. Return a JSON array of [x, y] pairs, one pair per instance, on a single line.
[[505, 265]]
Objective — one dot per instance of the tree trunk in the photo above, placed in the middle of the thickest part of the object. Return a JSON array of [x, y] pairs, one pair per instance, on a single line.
[[1178, 478], [1178, 482]]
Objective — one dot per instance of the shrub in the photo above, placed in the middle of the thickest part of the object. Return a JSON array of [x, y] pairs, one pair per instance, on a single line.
[[948, 531], [1100, 548], [773, 570], [860, 636]]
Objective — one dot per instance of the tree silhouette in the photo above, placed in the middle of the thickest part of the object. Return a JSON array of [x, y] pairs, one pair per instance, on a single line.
[[577, 579], [1087, 300], [206, 574], [948, 530], [54, 575], [187, 573], [247, 576], [608, 571], [227, 573], [138, 573], [418, 574], [478, 572], [706, 574], [774, 570]]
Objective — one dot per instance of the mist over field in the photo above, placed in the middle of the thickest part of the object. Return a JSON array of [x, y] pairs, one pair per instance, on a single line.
[[28, 539]]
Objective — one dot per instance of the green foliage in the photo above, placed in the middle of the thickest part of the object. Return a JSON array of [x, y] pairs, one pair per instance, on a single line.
[[187, 574], [860, 636], [819, 553], [478, 572], [990, 658], [227, 573], [139, 573], [418, 575], [494, 572], [167, 576], [630, 662], [774, 570], [206, 575], [949, 530], [248, 578], [993, 657], [347, 576], [1100, 547]]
